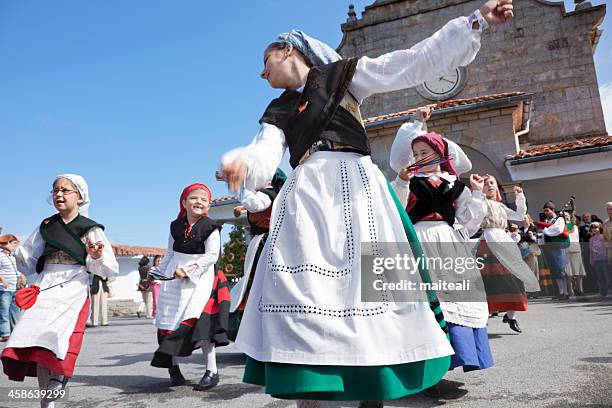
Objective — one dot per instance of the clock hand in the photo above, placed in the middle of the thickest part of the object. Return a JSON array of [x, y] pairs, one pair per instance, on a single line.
[[450, 82]]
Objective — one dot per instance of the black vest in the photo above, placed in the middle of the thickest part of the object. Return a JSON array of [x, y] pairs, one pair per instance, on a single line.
[[434, 200], [65, 237], [316, 113], [194, 243]]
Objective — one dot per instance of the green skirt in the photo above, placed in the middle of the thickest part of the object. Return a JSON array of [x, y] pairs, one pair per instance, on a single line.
[[354, 383], [345, 383]]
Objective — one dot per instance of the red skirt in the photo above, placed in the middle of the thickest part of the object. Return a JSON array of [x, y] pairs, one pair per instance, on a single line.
[[212, 325], [19, 363], [505, 292]]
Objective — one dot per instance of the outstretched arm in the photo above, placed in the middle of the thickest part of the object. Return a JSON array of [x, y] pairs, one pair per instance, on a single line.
[[456, 44]]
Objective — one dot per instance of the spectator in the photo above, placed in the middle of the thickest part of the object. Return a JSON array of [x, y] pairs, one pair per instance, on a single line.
[[11, 280], [144, 287], [530, 250], [599, 257], [155, 284], [99, 304], [557, 240], [575, 268], [514, 233], [607, 233]]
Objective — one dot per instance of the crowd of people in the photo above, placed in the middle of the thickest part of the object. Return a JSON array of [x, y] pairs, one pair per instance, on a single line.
[[302, 273], [587, 251]]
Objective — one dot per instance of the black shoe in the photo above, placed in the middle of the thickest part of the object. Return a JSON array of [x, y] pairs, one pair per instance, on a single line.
[[208, 381], [138, 314], [495, 314], [513, 323], [433, 392], [371, 404], [505, 319], [176, 377]]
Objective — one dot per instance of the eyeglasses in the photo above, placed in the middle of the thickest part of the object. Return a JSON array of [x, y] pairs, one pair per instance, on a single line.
[[64, 191]]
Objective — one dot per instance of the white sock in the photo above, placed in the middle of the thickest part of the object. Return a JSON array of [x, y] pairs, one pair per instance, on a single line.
[[562, 285], [210, 356], [44, 375], [511, 314], [309, 404]]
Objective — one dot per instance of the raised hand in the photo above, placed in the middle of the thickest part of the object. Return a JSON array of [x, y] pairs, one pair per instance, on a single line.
[[238, 211], [476, 182], [180, 273], [406, 174], [94, 250], [497, 12], [518, 190], [424, 113], [234, 174]]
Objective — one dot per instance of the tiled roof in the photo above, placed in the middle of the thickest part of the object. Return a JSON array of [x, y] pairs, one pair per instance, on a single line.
[[445, 104], [128, 250], [574, 145], [224, 198]]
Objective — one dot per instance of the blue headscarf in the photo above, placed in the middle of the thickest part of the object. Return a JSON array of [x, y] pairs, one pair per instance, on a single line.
[[317, 52]]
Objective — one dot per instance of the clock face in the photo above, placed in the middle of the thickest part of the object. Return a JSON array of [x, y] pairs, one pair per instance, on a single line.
[[444, 86]]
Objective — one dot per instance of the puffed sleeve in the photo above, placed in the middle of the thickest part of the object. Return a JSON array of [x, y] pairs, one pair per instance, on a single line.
[[456, 44], [556, 229], [106, 266], [401, 150], [28, 252], [521, 208], [470, 210], [195, 268], [261, 157], [255, 201]]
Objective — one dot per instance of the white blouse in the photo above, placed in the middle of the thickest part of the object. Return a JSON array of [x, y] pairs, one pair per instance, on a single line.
[[455, 44], [106, 266], [197, 263]]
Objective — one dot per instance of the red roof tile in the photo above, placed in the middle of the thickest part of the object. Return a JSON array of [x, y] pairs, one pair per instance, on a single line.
[[562, 147], [224, 198], [128, 250], [445, 104]]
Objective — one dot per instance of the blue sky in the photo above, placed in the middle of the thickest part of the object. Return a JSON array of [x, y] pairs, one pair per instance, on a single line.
[[141, 97]]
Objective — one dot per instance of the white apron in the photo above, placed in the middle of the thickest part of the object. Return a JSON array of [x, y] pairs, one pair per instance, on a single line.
[[50, 322], [305, 305], [439, 240], [239, 290], [182, 299]]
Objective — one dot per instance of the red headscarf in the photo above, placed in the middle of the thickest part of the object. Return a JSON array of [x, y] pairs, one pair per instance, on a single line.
[[497, 193], [185, 194], [439, 145]]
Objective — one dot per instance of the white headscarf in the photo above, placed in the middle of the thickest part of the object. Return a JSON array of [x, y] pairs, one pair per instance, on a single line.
[[81, 185]]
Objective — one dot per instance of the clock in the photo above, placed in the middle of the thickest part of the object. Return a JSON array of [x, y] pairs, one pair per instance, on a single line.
[[444, 86]]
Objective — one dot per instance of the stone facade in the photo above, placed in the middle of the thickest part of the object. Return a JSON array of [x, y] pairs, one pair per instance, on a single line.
[[544, 51]]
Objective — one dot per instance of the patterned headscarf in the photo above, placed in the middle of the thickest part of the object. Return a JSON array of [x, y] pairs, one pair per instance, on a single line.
[[81, 185], [317, 52], [440, 146]]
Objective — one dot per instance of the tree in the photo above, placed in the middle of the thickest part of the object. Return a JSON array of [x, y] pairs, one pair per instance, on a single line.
[[232, 259]]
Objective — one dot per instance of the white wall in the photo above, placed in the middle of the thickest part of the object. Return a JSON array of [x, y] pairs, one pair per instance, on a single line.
[[124, 287], [592, 191]]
